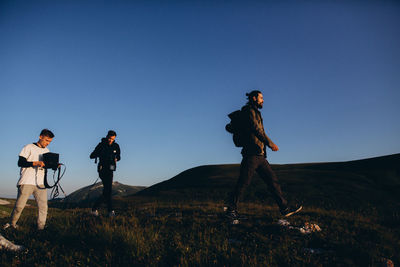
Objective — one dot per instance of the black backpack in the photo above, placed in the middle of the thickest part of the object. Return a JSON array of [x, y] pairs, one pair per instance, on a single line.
[[235, 127]]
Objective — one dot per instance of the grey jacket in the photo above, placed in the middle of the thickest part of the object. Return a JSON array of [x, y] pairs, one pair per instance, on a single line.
[[256, 139]]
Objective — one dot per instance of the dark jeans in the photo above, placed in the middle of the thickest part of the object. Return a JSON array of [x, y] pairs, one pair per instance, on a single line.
[[106, 177], [259, 164]]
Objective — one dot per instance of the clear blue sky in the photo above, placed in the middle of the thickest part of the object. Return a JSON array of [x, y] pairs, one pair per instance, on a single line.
[[164, 75]]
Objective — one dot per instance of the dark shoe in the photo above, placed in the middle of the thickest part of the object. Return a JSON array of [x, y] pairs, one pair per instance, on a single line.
[[111, 214], [95, 213], [232, 214], [290, 211]]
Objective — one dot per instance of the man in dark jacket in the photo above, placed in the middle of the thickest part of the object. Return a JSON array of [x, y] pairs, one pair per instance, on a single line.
[[109, 153], [254, 160]]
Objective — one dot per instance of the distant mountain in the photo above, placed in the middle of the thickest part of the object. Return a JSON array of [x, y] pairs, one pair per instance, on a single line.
[[352, 184], [91, 193]]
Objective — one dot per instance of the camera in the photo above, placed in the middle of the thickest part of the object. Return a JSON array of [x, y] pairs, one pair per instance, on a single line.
[[51, 160]]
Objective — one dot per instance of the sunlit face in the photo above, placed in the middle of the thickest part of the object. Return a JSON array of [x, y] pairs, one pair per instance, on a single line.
[[44, 141], [259, 100], [110, 139]]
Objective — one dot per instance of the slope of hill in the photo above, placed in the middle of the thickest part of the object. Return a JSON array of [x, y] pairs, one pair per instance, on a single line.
[[92, 192], [349, 184]]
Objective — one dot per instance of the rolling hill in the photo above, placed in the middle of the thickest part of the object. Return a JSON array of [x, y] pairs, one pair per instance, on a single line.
[[90, 193], [352, 184]]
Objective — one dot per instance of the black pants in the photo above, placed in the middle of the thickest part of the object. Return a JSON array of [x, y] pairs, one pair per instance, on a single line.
[[259, 164], [106, 177]]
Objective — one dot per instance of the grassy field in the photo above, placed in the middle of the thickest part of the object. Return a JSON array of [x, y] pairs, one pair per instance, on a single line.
[[196, 233], [180, 222]]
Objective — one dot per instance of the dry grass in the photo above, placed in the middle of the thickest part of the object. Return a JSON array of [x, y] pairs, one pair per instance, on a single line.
[[196, 233]]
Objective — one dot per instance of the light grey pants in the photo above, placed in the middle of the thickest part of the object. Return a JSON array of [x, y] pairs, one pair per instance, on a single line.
[[24, 191]]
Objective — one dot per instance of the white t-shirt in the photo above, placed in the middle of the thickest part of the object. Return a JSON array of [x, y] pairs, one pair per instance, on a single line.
[[32, 175]]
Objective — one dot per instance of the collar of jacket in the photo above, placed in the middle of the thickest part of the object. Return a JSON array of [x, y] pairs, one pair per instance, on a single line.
[[253, 106], [105, 142]]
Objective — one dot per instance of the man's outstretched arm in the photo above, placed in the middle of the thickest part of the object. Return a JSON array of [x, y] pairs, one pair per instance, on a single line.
[[259, 131]]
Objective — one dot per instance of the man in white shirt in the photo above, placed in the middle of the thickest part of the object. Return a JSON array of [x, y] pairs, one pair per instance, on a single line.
[[31, 179]]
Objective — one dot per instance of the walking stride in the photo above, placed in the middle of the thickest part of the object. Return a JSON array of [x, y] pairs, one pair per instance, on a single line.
[[109, 153], [248, 132]]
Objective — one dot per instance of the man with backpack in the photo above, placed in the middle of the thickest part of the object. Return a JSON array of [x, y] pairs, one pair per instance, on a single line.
[[109, 153], [248, 132]]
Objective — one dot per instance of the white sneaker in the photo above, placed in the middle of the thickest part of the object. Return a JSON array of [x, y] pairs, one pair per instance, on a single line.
[[94, 213], [111, 214], [9, 226]]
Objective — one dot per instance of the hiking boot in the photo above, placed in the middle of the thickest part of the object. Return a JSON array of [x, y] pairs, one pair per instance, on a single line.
[[111, 214], [10, 226], [94, 213], [232, 214], [290, 211]]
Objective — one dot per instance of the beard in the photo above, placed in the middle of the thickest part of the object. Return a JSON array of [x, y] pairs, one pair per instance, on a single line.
[[259, 105]]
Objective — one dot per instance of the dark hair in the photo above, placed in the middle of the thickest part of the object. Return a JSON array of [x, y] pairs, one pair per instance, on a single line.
[[252, 94], [46, 132], [111, 133]]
